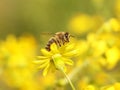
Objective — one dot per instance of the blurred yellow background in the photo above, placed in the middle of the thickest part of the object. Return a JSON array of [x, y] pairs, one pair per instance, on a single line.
[[35, 16], [26, 26]]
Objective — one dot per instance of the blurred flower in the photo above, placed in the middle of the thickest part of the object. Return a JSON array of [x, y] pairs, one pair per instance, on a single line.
[[78, 23], [57, 57], [112, 25], [17, 66], [89, 87], [115, 24], [97, 46], [47, 82], [83, 47], [108, 88], [105, 48], [115, 86], [112, 57]]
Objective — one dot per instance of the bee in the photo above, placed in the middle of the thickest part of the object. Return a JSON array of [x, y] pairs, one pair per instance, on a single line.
[[60, 38]]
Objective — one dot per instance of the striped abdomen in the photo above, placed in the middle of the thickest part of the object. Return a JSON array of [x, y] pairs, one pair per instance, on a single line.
[[60, 38]]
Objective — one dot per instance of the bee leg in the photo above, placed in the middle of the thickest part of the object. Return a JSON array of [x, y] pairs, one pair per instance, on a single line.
[[47, 47], [67, 39], [59, 43], [62, 40], [54, 41]]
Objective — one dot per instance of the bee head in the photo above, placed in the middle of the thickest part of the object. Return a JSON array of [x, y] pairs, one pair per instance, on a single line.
[[67, 36]]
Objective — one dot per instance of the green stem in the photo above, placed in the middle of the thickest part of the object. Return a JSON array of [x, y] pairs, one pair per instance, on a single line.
[[72, 86], [73, 74], [60, 65]]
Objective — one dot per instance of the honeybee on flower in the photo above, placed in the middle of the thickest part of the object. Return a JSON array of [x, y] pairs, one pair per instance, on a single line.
[[55, 55]]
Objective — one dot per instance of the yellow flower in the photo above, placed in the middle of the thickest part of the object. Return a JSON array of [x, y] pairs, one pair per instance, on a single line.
[[111, 25], [113, 56], [115, 86], [89, 87], [115, 24], [16, 64], [57, 58], [78, 23]]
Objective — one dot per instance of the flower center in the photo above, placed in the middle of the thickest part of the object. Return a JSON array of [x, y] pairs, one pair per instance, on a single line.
[[56, 56], [58, 62]]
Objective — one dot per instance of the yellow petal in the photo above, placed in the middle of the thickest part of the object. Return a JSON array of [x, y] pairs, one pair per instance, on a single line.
[[69, 47], [117, 86], [46, 53], [113, 56], [110, 88], [90, 87], [54, 48], [68, 61], [43, 65], [71, 53], [41, 57], [40, 61], [45, 71]]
